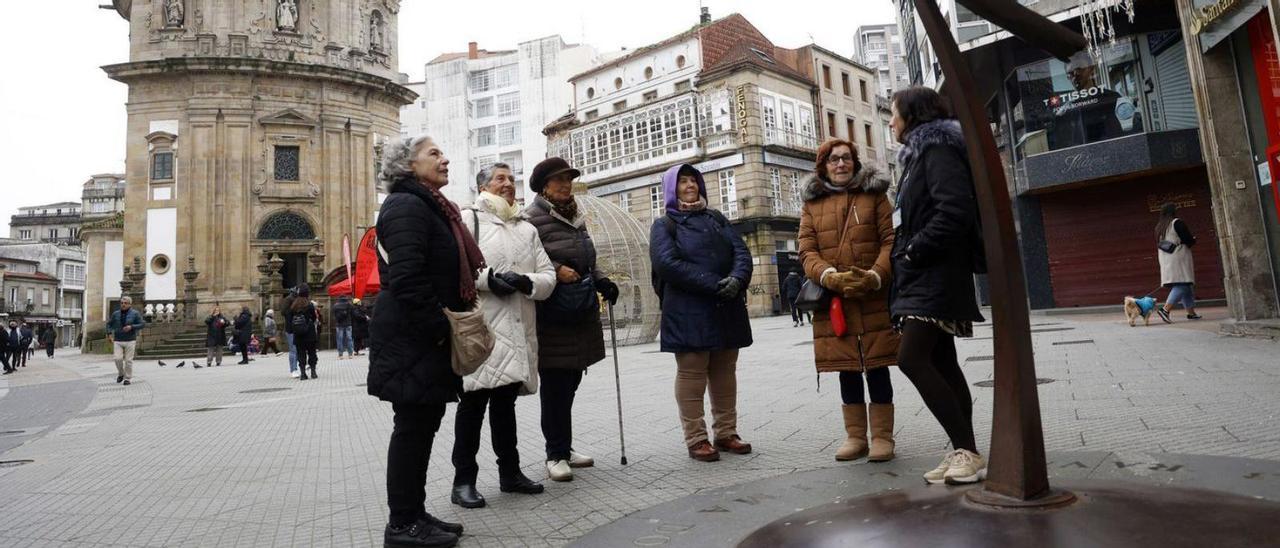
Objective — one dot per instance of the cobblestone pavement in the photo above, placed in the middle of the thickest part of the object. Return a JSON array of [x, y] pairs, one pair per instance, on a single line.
[[246, 456]]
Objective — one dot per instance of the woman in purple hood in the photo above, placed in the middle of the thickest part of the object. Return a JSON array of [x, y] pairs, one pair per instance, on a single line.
[[701, 271]]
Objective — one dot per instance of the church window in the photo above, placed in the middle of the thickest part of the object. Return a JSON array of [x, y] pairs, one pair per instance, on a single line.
[[162, 166], [286, 225], [287, 160]]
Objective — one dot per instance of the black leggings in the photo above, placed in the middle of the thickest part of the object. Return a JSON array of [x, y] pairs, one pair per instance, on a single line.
[[878, 384], [927, 355]]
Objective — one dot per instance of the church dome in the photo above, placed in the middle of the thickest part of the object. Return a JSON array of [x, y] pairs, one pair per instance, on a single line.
[[622, 254]]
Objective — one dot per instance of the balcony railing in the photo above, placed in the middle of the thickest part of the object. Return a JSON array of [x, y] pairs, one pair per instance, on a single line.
[[71, 313], [781, 137]]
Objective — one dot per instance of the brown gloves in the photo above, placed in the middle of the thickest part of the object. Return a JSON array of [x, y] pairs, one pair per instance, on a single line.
[[854, 284]]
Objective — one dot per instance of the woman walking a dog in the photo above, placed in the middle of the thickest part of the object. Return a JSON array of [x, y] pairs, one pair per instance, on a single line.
[[1177, 271]]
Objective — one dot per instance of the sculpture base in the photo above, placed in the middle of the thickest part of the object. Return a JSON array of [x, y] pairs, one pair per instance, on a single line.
[[1111, 513]]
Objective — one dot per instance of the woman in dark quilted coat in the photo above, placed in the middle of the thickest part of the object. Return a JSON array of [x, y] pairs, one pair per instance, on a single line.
[[428, 262]]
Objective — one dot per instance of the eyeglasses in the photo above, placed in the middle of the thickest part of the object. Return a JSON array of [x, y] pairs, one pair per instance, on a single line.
[[835, 160]]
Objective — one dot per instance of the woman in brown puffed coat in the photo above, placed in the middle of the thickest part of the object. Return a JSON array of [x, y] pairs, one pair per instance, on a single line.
[[846, 234]]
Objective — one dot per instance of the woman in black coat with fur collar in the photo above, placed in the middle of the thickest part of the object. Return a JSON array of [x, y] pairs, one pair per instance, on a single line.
[[937, 249], [428, 263]]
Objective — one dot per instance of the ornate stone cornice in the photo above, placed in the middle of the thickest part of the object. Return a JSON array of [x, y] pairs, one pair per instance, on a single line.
[[128, 72]]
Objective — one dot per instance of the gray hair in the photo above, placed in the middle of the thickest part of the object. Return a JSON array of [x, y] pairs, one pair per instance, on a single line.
[[126, 300], [486, 174], [397, 160]]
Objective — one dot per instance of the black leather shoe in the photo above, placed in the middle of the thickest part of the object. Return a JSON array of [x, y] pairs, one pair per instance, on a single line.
[[466, 496], [519, 483], [455, 528], [419, 534]]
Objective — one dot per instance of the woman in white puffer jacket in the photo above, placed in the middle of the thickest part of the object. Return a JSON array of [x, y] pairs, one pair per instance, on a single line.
[[518, 274]]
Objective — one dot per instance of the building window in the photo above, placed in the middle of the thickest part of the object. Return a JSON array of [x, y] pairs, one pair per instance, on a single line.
[[482, 80], [506, 76], [728, 194], [591, 92], [866, 132], [655, 200], [24, 234], [796, 201], [683, 86], [651, 96], [806, 126], [848, 129], [484, 107], [509, 104], [775, 190], [44, 297], [769, 112], [485, 136], [620, 106], [826, 76], [286, 225], [162, 166], [648, 73], [624, 201], [286, 163], [509, 133], [862, 86], [844, 81], [617, 83], [831, 124], [592, 114], [53, 233], [679, 61]]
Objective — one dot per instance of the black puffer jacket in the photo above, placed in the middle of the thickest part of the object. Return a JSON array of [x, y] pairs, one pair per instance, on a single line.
[[244, 328], [938, 245], [574, 344], [409, 358], [215, 332]]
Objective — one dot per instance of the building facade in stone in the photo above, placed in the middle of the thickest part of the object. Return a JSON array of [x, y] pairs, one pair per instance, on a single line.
[[57, 223], [44, 284], [724, 98], [254, 129], [484, 106], [102, 196], [880, 47]]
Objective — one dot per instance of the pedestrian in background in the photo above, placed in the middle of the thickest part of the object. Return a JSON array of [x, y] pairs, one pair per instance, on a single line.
[[428, 263], [215, 337], [25, 338], [518, 274], [937, 249], [846, 235], [47, 339], [122, 332], [359, 325], [8, 343], [286, 305], [703, 270], [342, 327], [244, 334], [791, 285], [1177, 267], [305, 323], [270, 333], [570, 335]]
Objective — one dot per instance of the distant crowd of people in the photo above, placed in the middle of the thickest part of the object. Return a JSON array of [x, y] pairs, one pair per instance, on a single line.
[[19, 341]]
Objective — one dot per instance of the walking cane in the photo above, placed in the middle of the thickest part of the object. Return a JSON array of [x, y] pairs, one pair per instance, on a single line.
[[617, 383]]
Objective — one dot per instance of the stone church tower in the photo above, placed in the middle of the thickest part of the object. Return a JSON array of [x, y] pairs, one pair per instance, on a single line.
[[254, 126]]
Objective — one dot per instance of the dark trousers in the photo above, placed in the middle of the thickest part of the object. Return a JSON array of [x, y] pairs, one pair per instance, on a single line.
[[878, 384], [502, 429], [270, 345], [306, 352], [798, 315], [19, 358], [4, 358], [556, 393], [244, 350], [407, 457], [927, 355], [48, 349]]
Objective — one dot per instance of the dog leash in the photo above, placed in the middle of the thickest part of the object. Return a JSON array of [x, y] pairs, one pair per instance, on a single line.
[[1153, 291]]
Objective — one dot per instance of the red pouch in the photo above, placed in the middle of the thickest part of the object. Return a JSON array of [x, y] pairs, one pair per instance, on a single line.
[[837, 317]]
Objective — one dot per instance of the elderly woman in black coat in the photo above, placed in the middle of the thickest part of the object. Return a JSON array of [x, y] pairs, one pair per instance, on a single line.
[[570, 335], [936, 252], [428, 263]]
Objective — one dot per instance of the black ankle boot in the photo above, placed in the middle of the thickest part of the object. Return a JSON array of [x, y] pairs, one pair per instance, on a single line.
[[517, 482], [313, 373], [455, 528], [466, 496], [418, 534]]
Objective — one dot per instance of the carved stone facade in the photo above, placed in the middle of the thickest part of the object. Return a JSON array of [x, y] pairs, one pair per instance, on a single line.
[[253, 127]]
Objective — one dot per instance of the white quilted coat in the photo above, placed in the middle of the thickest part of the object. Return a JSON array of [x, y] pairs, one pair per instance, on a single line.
[[509, 246]]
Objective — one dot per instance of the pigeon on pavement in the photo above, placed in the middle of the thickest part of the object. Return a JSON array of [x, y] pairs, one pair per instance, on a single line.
[[161, 362], [181, 364]]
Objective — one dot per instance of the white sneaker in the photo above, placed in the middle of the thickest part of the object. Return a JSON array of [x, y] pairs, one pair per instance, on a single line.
[[559, 470], [938, 475], [578, 460], [966, 467], [295, 374]]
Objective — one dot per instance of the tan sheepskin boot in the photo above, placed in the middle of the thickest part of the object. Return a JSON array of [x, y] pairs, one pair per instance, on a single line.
[[881, 415], [855, 427]]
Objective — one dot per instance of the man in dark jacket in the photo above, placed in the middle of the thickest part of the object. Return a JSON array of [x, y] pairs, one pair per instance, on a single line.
[[8, 341], [122, 331], [342, 326], [215, 336], [359, 326], [570, 336], [47, 338], [244, 332], [421, 263], [790, 290], [26, 337]]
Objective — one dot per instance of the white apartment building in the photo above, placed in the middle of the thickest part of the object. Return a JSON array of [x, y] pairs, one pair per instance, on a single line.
[[880, 48], [484, 106]]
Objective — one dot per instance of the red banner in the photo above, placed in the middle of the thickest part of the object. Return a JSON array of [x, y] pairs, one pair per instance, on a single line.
[[366, 263]]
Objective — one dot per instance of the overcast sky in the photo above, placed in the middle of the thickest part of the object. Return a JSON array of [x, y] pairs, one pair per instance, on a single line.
[[62, 119]]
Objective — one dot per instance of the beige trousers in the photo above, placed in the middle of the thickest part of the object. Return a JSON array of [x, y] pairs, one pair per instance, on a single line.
[[698, 373], [123, 353]]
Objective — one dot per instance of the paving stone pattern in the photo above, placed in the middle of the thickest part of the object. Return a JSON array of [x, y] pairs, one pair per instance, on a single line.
[[305, 465]]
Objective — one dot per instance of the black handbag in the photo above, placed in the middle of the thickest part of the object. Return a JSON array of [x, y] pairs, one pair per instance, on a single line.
[[812, 297], [572, 301], [1167, 246]]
